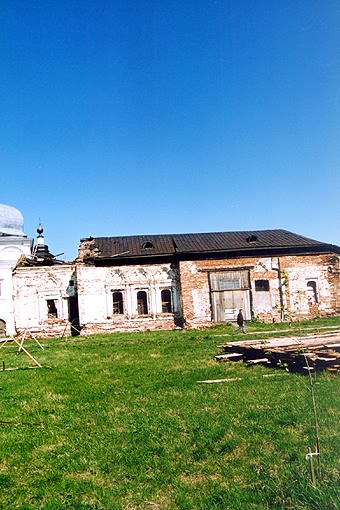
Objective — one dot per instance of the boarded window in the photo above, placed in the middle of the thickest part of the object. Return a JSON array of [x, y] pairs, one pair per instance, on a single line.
[[229, 280], [262, 285], [166, 301], [142, 303], [117, 299], [52, 311]]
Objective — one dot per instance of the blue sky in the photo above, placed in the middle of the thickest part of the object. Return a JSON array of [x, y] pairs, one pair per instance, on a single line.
[[123, 117]]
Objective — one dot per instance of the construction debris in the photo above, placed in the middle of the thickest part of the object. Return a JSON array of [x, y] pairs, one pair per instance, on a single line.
[[304, 353], [19, 341], [215, 381]]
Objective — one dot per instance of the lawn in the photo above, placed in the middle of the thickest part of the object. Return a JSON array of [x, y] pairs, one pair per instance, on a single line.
[[123, 421]]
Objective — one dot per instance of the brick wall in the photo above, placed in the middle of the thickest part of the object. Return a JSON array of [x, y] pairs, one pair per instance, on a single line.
[[33, 289], [289, 287], [287, 279], [96, 286]]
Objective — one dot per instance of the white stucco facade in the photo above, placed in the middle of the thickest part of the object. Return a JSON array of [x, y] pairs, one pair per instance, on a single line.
[[11, 249]]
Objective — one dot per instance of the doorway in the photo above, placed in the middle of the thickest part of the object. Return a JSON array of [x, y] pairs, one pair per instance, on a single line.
[[230, 291]]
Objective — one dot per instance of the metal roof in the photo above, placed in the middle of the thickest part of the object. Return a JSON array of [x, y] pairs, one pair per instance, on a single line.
[[149, 246]]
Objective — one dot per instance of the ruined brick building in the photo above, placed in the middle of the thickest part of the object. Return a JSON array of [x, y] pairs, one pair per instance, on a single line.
[[166, 281]]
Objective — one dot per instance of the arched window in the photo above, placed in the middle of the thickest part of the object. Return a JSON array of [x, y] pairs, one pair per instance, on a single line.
[[117, 302], [2, 327], [142, 303], [166, 301], [312, 295], [147, 245]]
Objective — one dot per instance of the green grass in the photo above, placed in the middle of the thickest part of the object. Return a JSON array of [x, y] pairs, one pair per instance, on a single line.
[[122, 422]]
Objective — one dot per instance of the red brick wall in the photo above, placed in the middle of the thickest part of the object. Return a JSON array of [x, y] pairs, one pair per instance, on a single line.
[[295, 272]]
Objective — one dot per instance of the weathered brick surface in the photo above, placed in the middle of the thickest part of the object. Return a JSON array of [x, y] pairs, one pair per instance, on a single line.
[[318, 268], [287, 276], [95, 288], [32, 287]]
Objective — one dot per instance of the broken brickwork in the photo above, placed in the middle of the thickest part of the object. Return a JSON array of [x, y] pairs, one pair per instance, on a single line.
[[274, 288]]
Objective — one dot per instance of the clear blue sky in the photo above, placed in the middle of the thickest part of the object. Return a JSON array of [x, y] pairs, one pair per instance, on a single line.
[[123, 117]]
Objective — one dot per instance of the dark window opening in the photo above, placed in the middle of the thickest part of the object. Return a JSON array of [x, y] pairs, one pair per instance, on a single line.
[[142, 303], [73, 315], [117, 298], [52, 311], [252, 239], [166, 301], [262, 285], [148, 245]]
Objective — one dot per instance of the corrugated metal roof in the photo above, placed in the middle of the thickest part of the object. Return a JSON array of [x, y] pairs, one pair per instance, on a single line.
[[226, 241], [135, 246], [169, 244]]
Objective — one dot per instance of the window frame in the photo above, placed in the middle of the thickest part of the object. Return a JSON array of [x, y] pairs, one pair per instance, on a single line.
[[169, 301], [54, 314], [121, 302], [146, 302]]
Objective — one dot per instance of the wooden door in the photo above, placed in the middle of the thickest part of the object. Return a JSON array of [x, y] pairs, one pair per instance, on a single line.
[[230, 291]]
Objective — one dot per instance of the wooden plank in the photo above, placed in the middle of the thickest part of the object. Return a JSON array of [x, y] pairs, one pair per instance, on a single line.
[[291, 342], [26, 352], [213, 381], [259, 360], [322, 352], [232, 356]]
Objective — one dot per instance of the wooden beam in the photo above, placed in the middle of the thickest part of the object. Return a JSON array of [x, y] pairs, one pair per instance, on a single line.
[[26, 352]]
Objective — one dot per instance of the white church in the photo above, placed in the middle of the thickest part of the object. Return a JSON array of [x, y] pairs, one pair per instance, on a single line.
[[13, 243]]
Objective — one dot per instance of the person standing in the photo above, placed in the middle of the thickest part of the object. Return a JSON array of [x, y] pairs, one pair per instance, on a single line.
[[240, 322]]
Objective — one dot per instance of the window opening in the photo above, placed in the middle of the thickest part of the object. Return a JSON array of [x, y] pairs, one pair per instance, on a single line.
[[148, 245], [229, 280], [142, 303], [312, 295], [117, 298], [262, 285], [52, 311], [166, 301]]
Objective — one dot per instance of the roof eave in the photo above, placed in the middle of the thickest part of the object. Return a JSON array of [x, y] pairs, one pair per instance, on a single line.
[[225, 253]]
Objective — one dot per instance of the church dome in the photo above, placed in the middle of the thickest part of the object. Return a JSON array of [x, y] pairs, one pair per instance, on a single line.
[[11, 221]]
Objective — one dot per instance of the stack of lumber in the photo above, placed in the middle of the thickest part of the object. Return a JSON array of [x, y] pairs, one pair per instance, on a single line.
[[309, 352]]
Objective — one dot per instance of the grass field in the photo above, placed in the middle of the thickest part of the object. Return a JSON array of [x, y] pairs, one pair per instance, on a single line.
[[122, 421]]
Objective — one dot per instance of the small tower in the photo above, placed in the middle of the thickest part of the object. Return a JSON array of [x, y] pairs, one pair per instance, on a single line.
[[41, 251]]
